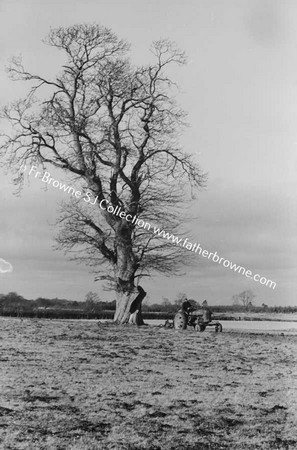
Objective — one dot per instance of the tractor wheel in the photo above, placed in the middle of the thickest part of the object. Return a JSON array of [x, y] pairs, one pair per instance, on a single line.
[[200, 327], [218, 328], [180, 321]]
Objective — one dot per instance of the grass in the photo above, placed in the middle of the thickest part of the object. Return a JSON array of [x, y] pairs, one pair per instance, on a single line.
[[76, 385]]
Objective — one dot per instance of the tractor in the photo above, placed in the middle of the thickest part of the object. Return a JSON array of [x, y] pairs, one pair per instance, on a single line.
[[198, 319]]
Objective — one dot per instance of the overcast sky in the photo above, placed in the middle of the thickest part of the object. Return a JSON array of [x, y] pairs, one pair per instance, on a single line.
[[240, 90]]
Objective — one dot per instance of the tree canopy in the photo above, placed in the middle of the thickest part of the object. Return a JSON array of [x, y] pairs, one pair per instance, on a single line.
[[113, 128]]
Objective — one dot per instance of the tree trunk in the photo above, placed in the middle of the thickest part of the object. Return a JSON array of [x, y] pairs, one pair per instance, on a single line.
[[129, 298], [128, 306]]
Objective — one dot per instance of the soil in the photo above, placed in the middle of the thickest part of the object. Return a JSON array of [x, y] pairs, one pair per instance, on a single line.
[[83, 385]]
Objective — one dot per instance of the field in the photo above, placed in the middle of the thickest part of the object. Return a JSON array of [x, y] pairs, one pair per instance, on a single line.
[[284, 317], [79, 385]]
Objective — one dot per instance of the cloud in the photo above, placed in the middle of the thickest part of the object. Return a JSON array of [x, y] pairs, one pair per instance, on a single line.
[[5, 266]]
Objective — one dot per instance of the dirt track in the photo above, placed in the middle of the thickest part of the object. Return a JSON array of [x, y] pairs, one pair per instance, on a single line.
[[77, 385]]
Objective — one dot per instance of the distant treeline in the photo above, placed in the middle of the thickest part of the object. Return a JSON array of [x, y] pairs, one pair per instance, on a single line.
[[15, 305]]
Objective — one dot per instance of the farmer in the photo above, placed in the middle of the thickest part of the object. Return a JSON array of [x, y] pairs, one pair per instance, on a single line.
[[203, 313], [187, 307], [190, 310]]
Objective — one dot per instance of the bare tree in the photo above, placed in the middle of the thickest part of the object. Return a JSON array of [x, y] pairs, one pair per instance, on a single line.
[[91, 301], [180, 299], [113, 129], [245, 299]]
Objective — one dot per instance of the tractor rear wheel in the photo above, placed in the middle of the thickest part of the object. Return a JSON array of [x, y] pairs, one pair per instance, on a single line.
[[180, 321]]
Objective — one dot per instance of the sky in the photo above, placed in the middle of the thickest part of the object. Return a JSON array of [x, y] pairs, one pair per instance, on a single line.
[[240, 91]]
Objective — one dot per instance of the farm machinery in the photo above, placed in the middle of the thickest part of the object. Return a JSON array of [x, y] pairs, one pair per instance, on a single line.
[[198, 319]]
